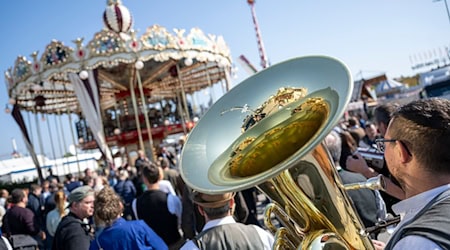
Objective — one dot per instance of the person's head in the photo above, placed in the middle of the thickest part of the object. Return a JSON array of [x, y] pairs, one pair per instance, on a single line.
[[35, 189], [353, 121], [108, 206], [163, 150], [46, 185], [182, 140], [383, 114], [420, 132], [3, 197], [371, 130], [348, 141], [69, 177], [151, 172], [163, 162], [100, 182], [141, 153], [348, 147], [334, 145], [214, 206], [81, 201], [4, 193], [18, 196], [123, 174], [88, 172], [88, 180]]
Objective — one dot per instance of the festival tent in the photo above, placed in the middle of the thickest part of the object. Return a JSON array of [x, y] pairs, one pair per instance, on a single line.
[[388, 87]]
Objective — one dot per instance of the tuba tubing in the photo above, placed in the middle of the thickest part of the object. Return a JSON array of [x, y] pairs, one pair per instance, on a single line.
[[308, 198]]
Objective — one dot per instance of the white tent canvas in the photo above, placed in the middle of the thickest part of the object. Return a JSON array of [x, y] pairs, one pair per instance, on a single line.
[[388, 86]]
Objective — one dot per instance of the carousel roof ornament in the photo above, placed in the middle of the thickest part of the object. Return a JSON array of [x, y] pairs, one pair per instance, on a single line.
[[117, 17], [168, 58]]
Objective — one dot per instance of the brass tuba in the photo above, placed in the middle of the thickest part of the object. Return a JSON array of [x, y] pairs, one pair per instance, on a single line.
[[268, 132]]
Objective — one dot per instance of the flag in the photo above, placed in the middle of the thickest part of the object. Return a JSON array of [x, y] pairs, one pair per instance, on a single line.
[[88, 96]]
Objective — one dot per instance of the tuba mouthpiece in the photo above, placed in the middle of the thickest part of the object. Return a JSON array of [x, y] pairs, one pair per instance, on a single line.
[[374, 183]]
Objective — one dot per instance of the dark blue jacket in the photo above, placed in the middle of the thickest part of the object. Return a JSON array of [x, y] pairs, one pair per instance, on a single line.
[[126, 190]]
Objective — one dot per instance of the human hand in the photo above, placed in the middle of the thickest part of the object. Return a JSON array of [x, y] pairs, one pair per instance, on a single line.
[[42, 235], [356, 163], [379, 245]]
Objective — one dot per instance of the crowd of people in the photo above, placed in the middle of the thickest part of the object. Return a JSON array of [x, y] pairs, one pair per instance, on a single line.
[[148, 205], [414, 139], [145, 205]]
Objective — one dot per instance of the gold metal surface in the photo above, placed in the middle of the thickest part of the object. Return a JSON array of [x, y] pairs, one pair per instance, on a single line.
[[279, 150]]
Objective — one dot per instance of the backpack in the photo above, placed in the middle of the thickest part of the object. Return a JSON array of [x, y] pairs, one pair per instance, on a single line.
[[23, 242]]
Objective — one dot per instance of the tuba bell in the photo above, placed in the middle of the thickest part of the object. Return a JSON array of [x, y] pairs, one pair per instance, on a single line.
[[268, 132]]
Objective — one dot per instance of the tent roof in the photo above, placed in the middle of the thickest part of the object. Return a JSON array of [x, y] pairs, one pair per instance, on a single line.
[[388, 85]]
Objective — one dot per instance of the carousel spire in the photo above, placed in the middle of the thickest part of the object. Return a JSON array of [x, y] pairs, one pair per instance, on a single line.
[[117, 17]]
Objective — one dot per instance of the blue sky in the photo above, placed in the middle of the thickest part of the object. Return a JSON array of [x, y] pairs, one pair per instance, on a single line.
[[369, 36]]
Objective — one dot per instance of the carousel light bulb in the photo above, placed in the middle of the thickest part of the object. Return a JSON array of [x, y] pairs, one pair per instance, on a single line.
[[117, 131], [83, 75], [80, 140], [195, 119], [166, 122], [139, 65], [188, 61], [36, 87], [222, 63]]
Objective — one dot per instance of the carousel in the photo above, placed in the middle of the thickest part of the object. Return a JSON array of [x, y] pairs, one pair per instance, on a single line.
[[127, 90]]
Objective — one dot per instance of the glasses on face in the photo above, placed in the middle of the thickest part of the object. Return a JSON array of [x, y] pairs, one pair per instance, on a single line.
[[381, 146]]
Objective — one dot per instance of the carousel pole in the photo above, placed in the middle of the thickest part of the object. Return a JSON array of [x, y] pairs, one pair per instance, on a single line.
[[227, 78], [211, 90], [136, 114], [61, 129], [61, 151], [117, 116], [38, 131], [183, 93], [139, 65], [73, 141], [51, 142], [180, 112], [194, 104]]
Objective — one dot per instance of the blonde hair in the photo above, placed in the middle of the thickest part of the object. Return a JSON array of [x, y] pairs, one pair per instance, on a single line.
[[60, 200]]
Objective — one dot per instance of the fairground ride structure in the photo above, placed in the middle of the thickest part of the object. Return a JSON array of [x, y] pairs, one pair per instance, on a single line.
[[126, 90]]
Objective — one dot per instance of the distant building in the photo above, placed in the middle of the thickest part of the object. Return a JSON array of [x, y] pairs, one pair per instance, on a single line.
[[22, 169]]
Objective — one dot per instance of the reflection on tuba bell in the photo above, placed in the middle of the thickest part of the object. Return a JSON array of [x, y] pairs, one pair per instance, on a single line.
[[268, 132]]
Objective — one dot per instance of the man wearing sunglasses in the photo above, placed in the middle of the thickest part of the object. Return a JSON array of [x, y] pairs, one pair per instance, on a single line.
[[416, 147]]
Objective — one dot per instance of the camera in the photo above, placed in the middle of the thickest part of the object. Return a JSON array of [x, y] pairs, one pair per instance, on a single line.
[[373, 158]]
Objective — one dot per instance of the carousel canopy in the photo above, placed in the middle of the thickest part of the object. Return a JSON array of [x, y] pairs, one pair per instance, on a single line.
[[168, 62]]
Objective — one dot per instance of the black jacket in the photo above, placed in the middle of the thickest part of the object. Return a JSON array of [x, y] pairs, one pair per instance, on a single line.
[[72, 234]]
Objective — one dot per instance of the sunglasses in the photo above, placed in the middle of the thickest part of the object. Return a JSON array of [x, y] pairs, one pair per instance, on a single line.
[[381, 145]]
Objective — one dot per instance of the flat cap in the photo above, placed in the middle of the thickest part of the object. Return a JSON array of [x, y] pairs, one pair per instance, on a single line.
[[80, 193]]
